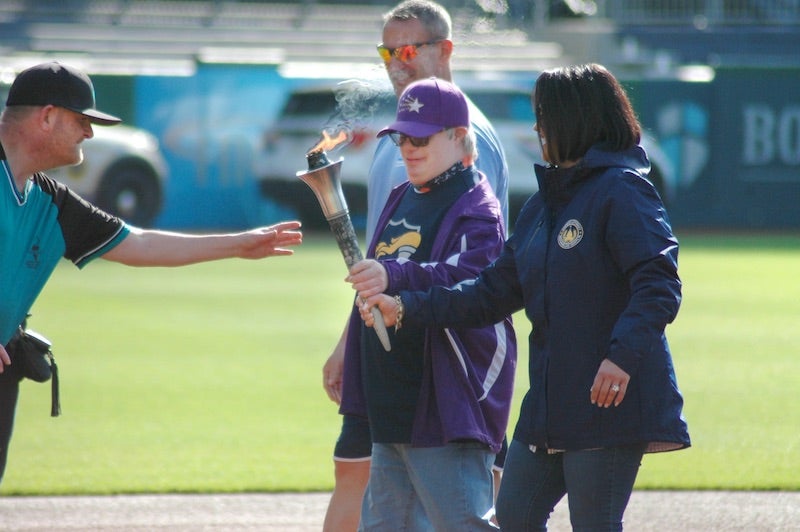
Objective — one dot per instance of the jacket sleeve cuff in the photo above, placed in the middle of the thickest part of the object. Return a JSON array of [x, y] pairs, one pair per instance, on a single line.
[[625, 358], [394, 275]]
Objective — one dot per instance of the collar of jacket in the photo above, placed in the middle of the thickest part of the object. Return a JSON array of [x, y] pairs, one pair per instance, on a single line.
[[558, 185]]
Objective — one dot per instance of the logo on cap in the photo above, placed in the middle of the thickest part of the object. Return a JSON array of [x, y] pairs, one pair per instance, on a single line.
[[412, 105], [428, 106]]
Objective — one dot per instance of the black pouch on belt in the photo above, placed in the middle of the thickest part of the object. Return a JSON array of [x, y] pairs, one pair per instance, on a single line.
[[32, 357]]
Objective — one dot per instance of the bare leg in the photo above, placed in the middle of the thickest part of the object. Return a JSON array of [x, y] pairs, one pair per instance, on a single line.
[[344, 509], [497, 476]]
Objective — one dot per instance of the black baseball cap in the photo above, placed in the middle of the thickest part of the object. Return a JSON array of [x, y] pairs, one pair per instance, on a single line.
[[59, 85]]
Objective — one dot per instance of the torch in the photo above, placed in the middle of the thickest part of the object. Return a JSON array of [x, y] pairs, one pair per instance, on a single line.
[[323, 178]]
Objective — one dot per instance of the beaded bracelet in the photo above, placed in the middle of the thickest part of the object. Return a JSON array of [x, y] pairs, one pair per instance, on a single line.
[[398, 323]]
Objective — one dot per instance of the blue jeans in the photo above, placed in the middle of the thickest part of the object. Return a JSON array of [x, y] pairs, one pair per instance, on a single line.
[[428, 488], [598, 485]]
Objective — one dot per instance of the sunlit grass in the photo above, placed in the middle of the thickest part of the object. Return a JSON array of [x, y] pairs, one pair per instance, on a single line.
[[208, 378]]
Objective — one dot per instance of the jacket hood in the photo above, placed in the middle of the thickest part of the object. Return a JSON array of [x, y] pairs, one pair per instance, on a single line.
[[634, 158]]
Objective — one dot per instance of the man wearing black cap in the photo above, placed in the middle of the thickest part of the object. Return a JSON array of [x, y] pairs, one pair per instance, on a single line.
[[61, 86], [49, 112]]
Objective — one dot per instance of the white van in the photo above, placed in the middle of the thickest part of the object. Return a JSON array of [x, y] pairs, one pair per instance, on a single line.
[[123, 172]]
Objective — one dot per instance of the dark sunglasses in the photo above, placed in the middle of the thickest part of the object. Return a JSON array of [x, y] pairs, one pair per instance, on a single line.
[[403, 53], [418, 142]]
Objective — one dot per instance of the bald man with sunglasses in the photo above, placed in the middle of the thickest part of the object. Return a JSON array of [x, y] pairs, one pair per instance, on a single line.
[[416, 44]]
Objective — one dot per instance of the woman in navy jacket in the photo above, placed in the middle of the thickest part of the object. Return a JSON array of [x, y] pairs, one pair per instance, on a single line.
[[593, 262]]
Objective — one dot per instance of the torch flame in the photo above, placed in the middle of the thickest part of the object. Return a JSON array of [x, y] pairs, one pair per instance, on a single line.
[[328, 143]]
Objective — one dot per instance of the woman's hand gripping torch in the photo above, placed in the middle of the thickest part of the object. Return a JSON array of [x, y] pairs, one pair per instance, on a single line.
[[323, 178]]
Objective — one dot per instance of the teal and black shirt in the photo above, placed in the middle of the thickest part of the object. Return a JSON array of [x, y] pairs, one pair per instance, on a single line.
[[38, 226]]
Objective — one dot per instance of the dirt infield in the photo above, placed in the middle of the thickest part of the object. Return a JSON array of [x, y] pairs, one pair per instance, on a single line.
[[663, 511]]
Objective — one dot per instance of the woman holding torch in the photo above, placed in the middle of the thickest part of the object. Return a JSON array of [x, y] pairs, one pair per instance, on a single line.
[[438, 402]]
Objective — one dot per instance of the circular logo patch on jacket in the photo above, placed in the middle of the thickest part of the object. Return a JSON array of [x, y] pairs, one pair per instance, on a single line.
[[570, 234]]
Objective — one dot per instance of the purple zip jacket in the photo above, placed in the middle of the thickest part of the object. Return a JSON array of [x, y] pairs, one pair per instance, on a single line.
[[468, 377]]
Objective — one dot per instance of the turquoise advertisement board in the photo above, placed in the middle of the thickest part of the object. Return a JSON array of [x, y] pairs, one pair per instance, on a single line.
[[734, 143], [210, 126]]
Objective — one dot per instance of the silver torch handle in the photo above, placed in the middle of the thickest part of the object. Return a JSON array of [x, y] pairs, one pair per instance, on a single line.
[[323, 178], [342, 228]]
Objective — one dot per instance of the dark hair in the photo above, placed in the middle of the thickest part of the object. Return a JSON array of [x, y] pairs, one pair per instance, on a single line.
[[434, 18], [577, 107]]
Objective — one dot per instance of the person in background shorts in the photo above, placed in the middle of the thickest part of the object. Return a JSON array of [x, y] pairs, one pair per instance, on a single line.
[[416, 44]]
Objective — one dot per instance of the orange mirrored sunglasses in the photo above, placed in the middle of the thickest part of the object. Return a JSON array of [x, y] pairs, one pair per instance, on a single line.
[[403, 53]]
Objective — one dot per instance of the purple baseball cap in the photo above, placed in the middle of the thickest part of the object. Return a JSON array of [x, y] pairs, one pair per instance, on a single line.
[[429, 106], [59, 85]]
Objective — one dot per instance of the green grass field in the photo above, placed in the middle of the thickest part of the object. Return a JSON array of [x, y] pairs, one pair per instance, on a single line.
[[208, 378]]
